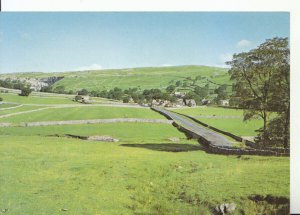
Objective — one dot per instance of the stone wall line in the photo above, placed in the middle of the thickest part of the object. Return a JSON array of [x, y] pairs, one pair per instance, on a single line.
[[89, 121], [222, 150]]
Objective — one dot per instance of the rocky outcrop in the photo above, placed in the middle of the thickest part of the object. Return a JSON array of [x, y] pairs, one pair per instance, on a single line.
[[102, 138], [51, 80], [225, 208], [37, 83]]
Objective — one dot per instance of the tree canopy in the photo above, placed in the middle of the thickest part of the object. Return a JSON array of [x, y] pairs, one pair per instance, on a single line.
[[262, 84]]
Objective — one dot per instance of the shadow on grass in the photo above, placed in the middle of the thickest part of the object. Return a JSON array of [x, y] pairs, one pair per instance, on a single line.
[[167, 147]]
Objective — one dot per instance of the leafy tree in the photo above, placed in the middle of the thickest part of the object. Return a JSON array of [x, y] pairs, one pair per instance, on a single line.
[[94, 93], [192, 95], [1, 99], [126, 99], [221, 91], [178, 83], [103, 94], [78, 98], [46, 89], [170, 88], [185, 84], [277, 132], [115, 93], [59, 89], [25, 91], [199, 77], [83, 92], [201, 91], [262, 84]]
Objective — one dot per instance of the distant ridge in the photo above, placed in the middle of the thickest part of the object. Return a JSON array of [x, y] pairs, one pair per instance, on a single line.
[[140, 77]]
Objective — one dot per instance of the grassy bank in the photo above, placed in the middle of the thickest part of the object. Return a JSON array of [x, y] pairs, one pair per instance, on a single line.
[[43, 175]]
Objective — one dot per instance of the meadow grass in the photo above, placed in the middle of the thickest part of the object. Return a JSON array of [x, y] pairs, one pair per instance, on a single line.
[[236, 126], [124, 131], [3, 105], [84, 112], [209, 111], [50, 175], [144, 173], [20, 109], [9, 97], [144, 78]]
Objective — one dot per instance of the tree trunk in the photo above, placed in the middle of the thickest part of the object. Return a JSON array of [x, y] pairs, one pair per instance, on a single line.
[[286, 128], [265, 135]]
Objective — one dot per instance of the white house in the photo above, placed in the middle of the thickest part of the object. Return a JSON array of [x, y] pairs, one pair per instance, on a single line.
[[224, 102]]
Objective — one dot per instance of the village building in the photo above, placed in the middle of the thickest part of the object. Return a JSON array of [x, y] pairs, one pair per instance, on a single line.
[[179, 94], [224, 102], [205, 101], [190, 102], [131, 100], [179, 103], [82, 98]]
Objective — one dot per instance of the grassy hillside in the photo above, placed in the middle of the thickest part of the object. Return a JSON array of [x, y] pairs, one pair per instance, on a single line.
[[144, 173], [144, 78], [48, 175], [153, 169]]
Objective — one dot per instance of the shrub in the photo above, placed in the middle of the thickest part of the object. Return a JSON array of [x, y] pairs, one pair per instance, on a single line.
[[83, 92], [126, 99], [25, 91]]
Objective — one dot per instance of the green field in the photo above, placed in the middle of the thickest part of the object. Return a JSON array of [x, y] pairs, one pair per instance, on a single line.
[[233, 125], [20, 109], [9, 97], [78, 113], [209, 111], [146, 172], [47, 175], [126, 132], [4, 106], [236, 126]]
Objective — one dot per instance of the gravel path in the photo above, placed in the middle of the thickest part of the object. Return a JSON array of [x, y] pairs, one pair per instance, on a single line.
[[212, 136]]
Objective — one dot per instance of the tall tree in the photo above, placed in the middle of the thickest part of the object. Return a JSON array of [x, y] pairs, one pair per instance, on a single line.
[[262, 81]]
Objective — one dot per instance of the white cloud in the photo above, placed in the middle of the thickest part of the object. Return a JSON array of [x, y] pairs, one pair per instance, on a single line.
[[243, 44], [225, 57], [90, 67], [220, 65], [166, 65], [25, 36]]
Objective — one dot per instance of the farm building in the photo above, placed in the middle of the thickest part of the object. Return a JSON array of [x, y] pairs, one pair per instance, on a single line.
[[224, 102], [82, 99], [190, 102]]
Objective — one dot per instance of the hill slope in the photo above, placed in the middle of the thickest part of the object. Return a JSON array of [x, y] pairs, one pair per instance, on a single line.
[[143, 78]]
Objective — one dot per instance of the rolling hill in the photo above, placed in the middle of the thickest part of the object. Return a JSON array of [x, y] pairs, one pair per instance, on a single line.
[[143, 78]]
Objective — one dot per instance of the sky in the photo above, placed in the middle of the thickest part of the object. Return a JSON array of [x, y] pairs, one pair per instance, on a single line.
[[57, 42]]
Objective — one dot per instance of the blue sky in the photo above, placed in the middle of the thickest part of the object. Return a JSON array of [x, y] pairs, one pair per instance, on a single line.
[[53, 42]]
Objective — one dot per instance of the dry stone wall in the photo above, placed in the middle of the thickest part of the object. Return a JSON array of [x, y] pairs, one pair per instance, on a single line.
[[226, 150]]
